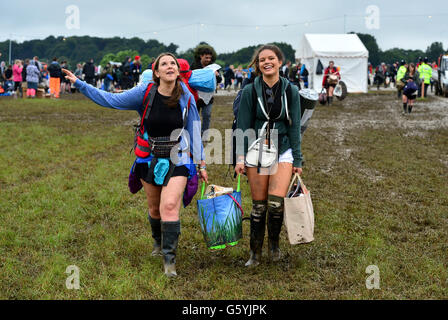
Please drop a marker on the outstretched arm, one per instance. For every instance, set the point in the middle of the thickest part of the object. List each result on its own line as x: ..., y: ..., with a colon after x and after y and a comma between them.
x: 127, y: 100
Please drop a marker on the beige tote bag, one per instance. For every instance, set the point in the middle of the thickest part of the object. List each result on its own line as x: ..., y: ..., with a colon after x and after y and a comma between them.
x: 299, y: 215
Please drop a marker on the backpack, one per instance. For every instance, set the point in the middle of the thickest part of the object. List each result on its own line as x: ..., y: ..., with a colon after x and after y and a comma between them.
x: 141, y: 145
x: 185, y: 74
x: 236, y: 106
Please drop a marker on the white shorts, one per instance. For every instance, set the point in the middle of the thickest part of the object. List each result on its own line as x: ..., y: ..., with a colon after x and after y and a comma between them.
x: 286, y: 156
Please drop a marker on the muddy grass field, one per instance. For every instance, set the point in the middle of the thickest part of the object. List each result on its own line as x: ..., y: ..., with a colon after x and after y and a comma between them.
x: 378, y: 181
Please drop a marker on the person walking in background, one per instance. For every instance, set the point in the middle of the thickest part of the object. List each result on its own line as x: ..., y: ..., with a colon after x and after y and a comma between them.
x: 9, y: 83
x: 136, y: 70
x: 17, y: 77
x: 330, y: 80
x: 203, y: 56
x: 117, y: 77
x: 65, y: 83
x: 229, y: 75
x: 89, y: 72
x: 78, y: 71
x: 2, y: 72
x: 284, y: 72
x: 45, y: 77
x: 126, y: 77
x: 294, y: 75
x: 433, y: 67
x: 37, y: 63
x: 32, y: 79
x: 400, y: 75
x: 269, y: 190
x: 55, y: 78
x: 412, y: 81
x: 238, y: 77
x: 304, y: 75
x: 425, y: 72
x: 108, y: 76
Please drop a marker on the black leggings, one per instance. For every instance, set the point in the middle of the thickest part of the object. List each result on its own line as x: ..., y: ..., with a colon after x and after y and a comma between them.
x: 18, y: 85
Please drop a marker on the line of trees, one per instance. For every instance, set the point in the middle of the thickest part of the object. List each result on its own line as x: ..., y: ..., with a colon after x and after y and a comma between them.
x: 81, y: 49
x: 376, y: 55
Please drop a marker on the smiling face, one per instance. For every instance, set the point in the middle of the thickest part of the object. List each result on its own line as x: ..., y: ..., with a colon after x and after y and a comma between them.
x: 268, y: 63
x: 166, y: 69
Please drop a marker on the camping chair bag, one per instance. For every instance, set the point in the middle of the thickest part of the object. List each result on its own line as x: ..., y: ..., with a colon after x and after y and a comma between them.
x: 203, y: 80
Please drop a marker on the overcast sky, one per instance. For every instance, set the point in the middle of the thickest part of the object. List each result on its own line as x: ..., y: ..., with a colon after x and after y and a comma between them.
x: 229, y: 25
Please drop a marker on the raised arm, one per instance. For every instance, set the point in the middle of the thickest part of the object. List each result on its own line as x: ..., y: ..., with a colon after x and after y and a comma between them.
x: 127, y: 100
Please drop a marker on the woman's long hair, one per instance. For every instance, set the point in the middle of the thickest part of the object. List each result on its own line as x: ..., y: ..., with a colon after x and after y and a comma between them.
x: 173, y: 100
x: 256, y: 58
x: 413, y: 69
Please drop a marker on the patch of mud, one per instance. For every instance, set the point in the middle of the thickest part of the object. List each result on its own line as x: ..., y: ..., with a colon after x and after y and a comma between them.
x: 356, y: 113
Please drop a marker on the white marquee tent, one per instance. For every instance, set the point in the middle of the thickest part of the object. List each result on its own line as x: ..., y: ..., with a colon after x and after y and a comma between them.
x: 346, y: 50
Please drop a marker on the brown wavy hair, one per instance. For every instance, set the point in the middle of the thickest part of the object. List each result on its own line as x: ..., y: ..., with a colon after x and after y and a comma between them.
x: 173, y: 100
x: 256, y: 58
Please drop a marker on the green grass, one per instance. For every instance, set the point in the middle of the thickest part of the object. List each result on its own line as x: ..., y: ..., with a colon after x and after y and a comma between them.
x: 380, y: 196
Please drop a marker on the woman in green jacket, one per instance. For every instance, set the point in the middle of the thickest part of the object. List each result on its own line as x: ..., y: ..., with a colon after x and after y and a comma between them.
x: 269, y: 102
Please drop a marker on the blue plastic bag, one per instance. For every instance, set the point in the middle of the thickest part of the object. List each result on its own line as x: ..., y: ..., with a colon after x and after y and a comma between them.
x: 221, y: 219
x: 203, y: 80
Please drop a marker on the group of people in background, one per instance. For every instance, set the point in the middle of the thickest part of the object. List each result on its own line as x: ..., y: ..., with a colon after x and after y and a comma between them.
x: 296, y: 73
x: 410, y: 79
x: 25, y: 77
x: 387, y: 74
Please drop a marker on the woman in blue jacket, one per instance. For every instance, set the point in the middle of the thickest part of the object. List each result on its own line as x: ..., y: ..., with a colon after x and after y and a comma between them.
x: 173, y: 109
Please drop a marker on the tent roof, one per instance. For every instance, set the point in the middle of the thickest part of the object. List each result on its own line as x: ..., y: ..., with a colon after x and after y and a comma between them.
x: 333, y: 45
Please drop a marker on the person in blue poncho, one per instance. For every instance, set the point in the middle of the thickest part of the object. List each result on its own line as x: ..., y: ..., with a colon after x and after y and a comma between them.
x: 164, y: 179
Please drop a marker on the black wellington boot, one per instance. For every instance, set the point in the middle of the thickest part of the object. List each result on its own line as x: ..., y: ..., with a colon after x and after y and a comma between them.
x: 330, y: 100
x: 257, y: 230
x: 156, y: 230
x: 275, y: 222
x: 170, y: 237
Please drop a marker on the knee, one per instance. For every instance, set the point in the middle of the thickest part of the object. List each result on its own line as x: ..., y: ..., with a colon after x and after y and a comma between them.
x: 259, y: 209
x: 169, y: 209
x: 275, y: 205
x: 154, y: 212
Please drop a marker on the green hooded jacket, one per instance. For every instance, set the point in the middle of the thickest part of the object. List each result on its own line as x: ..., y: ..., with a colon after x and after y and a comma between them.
x: 288, y: 131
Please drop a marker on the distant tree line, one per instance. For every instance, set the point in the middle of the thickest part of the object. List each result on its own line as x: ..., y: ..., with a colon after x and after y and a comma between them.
x: 80, y: 49
x: 376, y: 55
